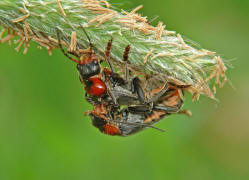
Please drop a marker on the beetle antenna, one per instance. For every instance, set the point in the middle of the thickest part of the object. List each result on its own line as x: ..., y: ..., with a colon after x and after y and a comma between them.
x: 89, y: 40
x: 62, y: 50
x: 107, y: 54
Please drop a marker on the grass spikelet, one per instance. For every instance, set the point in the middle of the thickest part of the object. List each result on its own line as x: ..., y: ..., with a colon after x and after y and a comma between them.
x: 155, y: 51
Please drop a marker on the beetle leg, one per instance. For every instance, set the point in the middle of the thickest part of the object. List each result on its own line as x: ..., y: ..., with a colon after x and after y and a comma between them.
x: 186, y: 112
x: 167, y: 109
x: 114, y: 100
x: 107, y: 79
x: 139, y: 109
x: 90, y: 99
x: 170, y: 109
x: 136, y: 88
x: 159, y: 95
x: 62, y: 50
x: 179, y: 86
x: 74, y: 53
x: 125, y: 58
x: 108, y: 84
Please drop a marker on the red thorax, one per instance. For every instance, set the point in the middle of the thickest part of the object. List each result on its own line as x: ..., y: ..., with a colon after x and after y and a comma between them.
x: 98, y: 87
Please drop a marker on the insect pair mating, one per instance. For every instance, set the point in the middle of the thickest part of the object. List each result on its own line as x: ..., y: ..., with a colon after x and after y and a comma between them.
x: 108, y: 91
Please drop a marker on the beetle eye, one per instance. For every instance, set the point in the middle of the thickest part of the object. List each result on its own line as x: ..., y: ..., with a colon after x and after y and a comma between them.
x: 95, y: 61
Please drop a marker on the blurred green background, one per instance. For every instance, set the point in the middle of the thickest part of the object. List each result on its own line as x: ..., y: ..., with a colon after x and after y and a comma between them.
x: 44, y: 134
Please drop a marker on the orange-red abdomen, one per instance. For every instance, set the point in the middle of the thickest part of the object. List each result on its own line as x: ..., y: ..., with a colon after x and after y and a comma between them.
x: 111, y: 130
